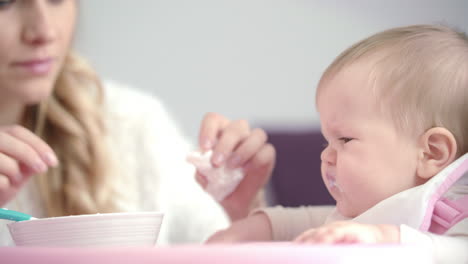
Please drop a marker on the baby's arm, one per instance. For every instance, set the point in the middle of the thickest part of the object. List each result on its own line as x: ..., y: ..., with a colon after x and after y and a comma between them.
x: 255, y: 227
x: 276, y: 223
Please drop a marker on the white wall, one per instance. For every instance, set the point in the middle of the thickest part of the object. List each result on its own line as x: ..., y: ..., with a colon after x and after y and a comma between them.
x: 253, y: 59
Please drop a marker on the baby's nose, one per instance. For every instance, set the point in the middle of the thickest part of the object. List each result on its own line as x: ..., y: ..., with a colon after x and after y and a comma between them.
x: 328, y: 155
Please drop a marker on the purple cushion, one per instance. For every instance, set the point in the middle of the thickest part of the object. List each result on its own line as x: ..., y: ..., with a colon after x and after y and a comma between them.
x: 296, y: 179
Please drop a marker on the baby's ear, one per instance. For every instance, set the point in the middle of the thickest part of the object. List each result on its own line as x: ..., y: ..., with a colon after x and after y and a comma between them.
x: 438, y: 148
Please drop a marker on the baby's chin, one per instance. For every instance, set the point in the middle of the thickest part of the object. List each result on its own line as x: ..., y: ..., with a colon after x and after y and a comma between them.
x: 347, y: 211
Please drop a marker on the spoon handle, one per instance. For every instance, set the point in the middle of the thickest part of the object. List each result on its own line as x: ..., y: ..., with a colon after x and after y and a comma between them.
x: 13, y: 215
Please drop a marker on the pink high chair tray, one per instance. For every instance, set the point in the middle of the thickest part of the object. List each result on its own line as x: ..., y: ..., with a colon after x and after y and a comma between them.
x: 271, y: 253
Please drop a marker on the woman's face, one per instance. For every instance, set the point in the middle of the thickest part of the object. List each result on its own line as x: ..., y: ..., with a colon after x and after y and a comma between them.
x: 35, y: 36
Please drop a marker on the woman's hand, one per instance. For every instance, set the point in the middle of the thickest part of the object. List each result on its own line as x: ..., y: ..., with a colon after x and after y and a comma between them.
x: 22, y: 154
x: 236, y: 145
x: 346, y: 232
x: 256, y: 227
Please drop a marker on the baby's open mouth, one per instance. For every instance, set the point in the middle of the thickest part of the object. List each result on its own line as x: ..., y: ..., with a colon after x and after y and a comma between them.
x: 332, y: 181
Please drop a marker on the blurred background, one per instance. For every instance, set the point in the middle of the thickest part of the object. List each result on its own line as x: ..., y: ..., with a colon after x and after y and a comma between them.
x: 253, y: 59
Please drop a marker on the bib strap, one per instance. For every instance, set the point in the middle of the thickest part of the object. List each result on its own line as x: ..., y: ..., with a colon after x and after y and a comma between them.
x: 448, y: 213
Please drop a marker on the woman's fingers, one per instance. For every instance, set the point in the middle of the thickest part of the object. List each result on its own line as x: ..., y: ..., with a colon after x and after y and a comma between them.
x: 229, y: 139
x: 211, y: 126
x: 10, y: 170
x: 236, y: 145
x: 22, y: 152
x: 248, y: 148
x: 258, y: 170
x: 261, y: 164
x: 44, y: 151
x: 201, y: 180
x: 4, y: 183
x: 232, y: 142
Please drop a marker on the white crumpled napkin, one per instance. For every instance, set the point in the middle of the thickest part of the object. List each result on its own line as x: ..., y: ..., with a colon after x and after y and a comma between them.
x: 221, y: 181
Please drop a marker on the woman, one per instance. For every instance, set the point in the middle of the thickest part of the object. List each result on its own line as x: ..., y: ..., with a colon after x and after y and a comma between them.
x: 69, y: 145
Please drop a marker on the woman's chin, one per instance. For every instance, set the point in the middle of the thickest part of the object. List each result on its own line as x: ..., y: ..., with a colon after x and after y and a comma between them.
x: 34, y: 93
x: 35, y: 99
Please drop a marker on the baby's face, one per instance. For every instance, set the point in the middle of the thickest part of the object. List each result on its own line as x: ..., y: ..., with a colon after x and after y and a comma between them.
x: 367, y: 160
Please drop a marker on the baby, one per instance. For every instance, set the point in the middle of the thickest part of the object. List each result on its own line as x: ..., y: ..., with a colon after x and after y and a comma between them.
x: 394, y: 111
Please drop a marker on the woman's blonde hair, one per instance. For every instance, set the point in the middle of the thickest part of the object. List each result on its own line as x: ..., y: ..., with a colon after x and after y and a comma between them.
x: 419, y: 76
x: 71, y: 122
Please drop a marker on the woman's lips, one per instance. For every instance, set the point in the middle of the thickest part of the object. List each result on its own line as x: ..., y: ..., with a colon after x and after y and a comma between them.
x: 36, y: 66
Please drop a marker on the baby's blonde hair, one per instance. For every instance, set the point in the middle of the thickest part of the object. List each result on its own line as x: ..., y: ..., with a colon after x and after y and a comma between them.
x: 70, y: 121
x: 419, y: 77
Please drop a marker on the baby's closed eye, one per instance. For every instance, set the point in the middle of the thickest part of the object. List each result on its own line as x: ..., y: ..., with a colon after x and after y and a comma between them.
x: 345, y: 139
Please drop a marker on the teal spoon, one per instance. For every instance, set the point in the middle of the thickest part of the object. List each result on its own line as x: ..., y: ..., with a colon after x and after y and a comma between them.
x: 13, y: 215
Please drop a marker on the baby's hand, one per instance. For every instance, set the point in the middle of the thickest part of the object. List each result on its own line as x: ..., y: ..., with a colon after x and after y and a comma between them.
x: 347, y: 232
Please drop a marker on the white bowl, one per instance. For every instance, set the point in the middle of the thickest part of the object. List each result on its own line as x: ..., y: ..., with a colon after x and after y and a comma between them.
x: 97, y: 230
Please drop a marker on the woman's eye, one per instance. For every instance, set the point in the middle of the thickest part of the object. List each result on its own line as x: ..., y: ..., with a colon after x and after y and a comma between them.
x: 345, y: 139
x: 5, y: 3
x: 56, y: 2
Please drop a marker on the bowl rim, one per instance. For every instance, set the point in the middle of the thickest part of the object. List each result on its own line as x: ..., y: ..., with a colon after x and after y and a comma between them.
x: 90, y: 216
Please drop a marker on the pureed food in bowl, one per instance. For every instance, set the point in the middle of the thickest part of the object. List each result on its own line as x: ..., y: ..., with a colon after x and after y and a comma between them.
x: 97, y: 230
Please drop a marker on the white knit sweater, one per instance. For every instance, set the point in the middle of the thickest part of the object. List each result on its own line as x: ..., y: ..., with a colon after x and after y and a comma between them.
x: 151, y: 172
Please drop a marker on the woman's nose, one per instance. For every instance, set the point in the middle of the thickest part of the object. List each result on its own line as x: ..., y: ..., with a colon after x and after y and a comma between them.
x: 38, y: 28
x: 328, y: 155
